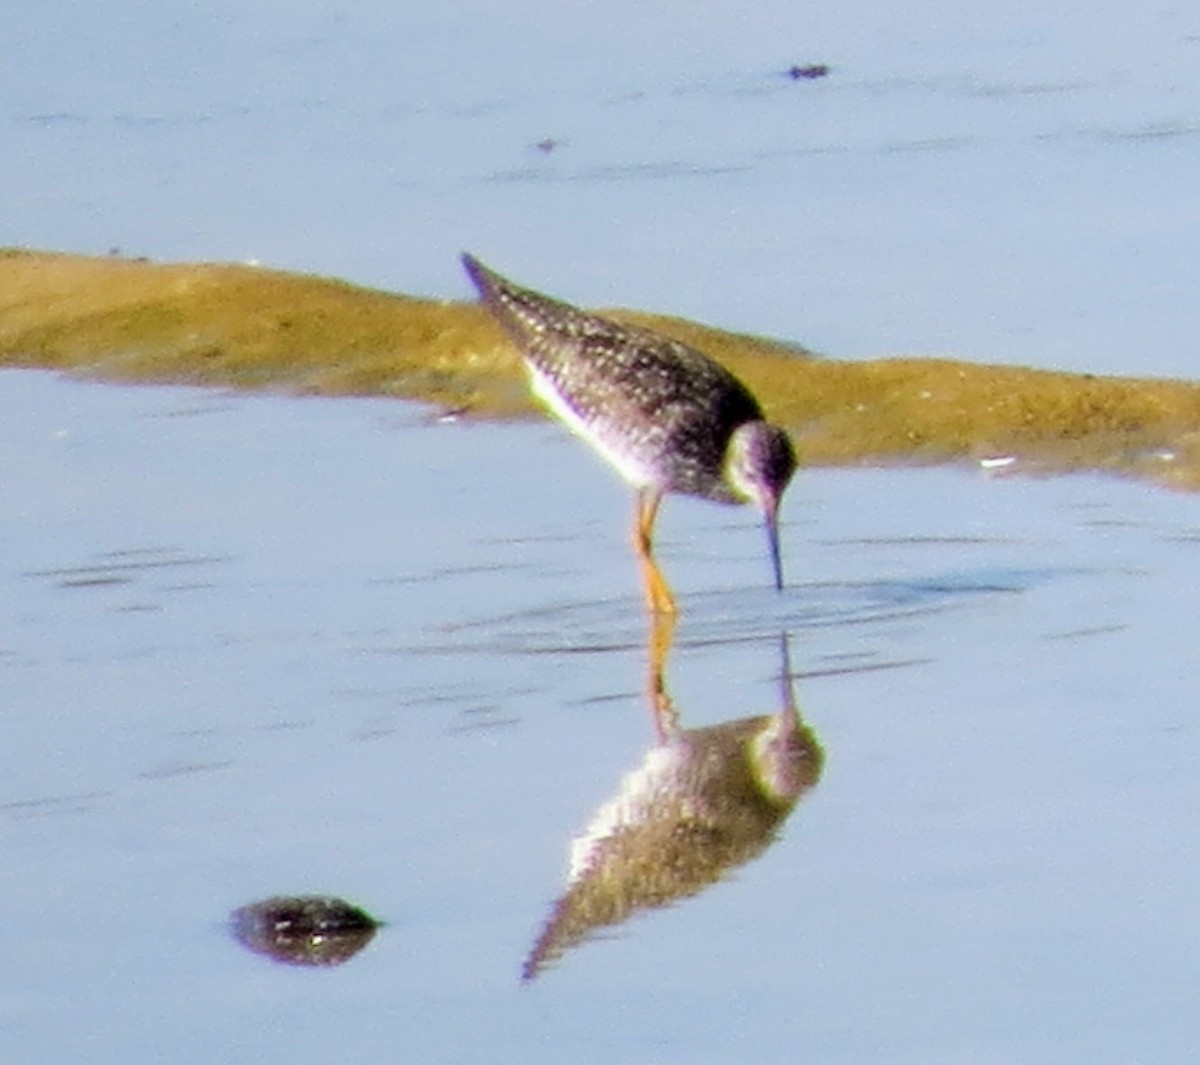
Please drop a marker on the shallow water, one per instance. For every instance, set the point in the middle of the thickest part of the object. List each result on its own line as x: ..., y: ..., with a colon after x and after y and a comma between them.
x: 1008, y: 182
x: 256, y: 646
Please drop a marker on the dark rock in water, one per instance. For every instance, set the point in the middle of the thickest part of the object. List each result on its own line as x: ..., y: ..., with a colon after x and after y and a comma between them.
x: 303, y: 929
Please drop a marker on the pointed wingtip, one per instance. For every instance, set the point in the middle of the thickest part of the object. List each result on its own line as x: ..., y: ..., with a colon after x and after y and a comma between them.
x: 493, y: 288
x: 476, y: 271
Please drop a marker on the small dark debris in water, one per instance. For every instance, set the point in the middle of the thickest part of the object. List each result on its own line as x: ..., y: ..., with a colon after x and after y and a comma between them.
x: 314, y: 930
x: 546, y: 145
x: 808, y: 72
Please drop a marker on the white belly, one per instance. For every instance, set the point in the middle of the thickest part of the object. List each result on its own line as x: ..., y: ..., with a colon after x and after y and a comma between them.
x: 636, y: 473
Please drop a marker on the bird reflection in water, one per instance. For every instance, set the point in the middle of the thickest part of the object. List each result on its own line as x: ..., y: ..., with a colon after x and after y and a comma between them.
x: 703, y: 802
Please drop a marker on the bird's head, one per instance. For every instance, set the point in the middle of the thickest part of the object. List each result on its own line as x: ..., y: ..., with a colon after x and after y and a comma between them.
x: 759, y: 464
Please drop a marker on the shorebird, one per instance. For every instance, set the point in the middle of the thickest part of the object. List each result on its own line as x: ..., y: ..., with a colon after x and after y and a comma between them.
x: 665, y: 416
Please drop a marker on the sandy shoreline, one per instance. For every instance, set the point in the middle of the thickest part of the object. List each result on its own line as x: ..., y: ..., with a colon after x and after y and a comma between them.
x: 248, y: 327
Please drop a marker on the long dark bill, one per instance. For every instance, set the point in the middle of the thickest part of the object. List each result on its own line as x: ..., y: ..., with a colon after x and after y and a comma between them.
x: 771, y: 521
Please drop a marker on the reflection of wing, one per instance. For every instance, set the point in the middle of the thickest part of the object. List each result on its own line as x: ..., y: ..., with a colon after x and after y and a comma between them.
x: 702, y: 803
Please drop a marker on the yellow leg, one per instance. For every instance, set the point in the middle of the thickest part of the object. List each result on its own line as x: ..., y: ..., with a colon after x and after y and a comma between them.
x: 658, y: 595
x: 662, y: 709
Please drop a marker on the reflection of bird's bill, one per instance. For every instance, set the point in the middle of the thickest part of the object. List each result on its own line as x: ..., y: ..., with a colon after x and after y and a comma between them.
x: 771, y: 521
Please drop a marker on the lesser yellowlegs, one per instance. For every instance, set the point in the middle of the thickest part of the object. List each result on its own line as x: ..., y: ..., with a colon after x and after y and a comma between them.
x: 668, y: 418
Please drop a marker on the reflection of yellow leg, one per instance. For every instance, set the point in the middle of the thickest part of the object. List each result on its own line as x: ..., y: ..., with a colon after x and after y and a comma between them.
x: 662, y: 709
x: 658, y: 594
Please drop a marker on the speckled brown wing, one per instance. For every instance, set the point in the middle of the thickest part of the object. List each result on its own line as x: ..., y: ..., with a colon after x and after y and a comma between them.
x: 660, y: 411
